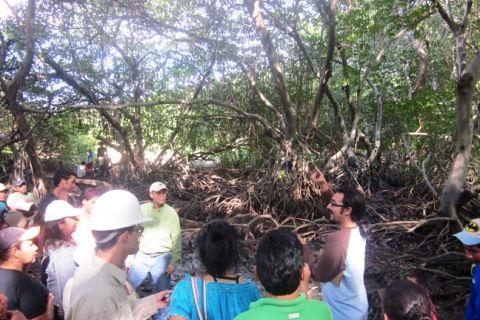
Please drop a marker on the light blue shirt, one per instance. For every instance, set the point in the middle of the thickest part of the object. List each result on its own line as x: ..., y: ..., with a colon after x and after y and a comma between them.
x: 60, y: 269
x: 225, y: 301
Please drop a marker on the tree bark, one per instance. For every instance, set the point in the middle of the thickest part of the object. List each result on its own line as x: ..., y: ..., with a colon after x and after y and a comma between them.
x: 467, y: 78
x: 456, y: 181
x: 378, y: 125
x: 329, y: 9
x: 421, y: 48
x: 11, y: 94
x: 289, y: 113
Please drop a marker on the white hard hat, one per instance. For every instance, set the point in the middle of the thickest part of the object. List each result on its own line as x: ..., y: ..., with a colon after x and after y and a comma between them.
x: 116, y: 209
x: 59, y: 209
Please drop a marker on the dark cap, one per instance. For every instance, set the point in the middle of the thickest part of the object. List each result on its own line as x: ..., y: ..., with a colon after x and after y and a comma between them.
x: 9, y: 236
x: 18, y: 182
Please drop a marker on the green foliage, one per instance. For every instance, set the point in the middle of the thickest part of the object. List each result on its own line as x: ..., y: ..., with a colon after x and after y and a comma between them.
x: 128, y: 52
x: 71, y: 136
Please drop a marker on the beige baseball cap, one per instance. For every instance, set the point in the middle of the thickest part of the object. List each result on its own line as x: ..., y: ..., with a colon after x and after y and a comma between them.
x: 158, y: 186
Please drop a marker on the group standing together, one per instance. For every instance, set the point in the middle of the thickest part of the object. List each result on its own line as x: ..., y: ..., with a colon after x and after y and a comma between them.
x: 95, y: 258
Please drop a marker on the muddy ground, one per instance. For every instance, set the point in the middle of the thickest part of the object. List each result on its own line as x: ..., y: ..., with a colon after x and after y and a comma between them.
x: 405, y: 232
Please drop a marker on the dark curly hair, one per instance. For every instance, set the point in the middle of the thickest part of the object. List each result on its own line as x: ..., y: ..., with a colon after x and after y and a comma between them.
x: 217, y: 245
x: 354, y: 199
x: 62, y: 174
x: 279, y: 261
x: 405, y: 300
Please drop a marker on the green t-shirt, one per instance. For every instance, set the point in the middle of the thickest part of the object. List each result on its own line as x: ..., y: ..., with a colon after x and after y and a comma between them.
x: 163, y: 233
x: 275, y: 309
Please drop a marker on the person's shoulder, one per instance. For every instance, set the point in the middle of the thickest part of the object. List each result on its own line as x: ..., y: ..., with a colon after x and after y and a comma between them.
x: 65, y: 251
x: 250, y: 314
x: 339, y: 234
x: 13, y: 195
x: 264, y: 309
x: 29, y: 279
x: 318, y: 306
x: 168, y: 208
x: 476, y: 271
x: 183, y: 290
x: 49, y: 197
x: 249, y: 284
x: 9, y: 273
x: 30, y: 284
x: 257, y: 311
x: 146, y: 207
x: 334, y: 238
x: 185, y: 283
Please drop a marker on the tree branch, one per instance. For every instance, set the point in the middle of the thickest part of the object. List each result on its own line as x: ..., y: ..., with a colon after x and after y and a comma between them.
x: 329, y: 8
x: 451, y: 24
x: 275, y: 133
x: 378, y: 124
x: 468, y: 9
x: 259, y: 93
x: 21, y: 74
x: 80, y: 88
x: 289, y: 113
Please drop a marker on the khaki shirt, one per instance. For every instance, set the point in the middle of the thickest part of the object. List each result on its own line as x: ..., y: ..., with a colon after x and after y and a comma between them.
x: 99, y: 290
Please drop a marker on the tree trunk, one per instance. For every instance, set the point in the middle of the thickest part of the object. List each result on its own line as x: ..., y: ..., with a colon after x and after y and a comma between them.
x: 289, y: 113
x: 378, y: 125
x: 456, y: 181
x: 86, y: 92
x: 11, y: 94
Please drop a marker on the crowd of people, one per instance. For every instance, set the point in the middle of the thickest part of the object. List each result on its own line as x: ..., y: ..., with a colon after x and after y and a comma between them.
x: 96, y: 254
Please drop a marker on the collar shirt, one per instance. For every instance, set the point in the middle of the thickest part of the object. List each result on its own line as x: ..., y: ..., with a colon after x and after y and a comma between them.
x: 99, y: 291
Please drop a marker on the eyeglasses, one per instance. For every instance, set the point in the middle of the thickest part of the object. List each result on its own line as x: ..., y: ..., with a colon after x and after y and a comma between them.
x: 333, y: 204
x: 139, y: 229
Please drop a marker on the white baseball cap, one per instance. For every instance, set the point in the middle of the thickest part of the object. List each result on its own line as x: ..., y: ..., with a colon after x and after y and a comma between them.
x: 158, y: 186
x: 59, y: 209
x: 3, y: 187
